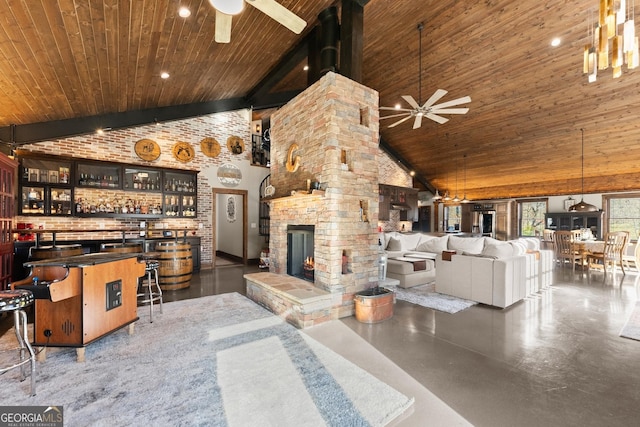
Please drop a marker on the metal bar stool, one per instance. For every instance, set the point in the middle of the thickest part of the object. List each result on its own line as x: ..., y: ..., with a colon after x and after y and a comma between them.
x: 153, y: 292
x: 15, y: 301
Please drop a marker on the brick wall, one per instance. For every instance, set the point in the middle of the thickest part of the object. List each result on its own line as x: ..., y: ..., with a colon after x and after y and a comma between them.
x: 118, y: 146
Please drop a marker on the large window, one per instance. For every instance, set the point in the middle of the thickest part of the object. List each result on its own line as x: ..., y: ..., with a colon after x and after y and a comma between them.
x: 624, y: 214
x: 531, y: 216
x: 452, y: 218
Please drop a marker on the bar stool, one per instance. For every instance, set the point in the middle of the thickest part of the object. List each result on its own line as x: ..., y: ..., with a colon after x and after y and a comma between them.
x: 15, y: 301
x: 153, y: 292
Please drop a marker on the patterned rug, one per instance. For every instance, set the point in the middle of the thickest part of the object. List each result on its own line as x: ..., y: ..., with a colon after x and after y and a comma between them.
x: 426, y: 296
x: 217, y: 361
x: 631, y: 329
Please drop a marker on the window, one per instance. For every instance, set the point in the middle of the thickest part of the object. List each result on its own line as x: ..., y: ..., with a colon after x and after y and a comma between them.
x: 452, y: 218
x: 624, y: 214
x: 531, y: 216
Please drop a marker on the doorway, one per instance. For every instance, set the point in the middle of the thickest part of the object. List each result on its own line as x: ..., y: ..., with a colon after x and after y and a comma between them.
x: 229, y: 225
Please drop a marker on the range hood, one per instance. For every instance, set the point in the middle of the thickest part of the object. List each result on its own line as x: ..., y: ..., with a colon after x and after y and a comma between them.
x: 396, y: 206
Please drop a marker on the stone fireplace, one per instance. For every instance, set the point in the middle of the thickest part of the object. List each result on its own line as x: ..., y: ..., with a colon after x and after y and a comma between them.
x: 327, y: 135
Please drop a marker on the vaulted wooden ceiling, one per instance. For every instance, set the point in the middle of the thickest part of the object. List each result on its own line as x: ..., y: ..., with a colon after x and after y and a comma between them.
x: 69, y: 59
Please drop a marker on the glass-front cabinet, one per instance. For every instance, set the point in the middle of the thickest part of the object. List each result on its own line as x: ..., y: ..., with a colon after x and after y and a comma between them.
x: 98, y: 175
x: 64, y: 186
x: 139, y: 179
x: 45, y: 187
x: 180, y: 197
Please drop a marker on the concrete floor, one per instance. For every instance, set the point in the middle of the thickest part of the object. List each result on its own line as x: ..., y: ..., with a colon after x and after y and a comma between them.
x: 551, y: 360
x: 554, y: 359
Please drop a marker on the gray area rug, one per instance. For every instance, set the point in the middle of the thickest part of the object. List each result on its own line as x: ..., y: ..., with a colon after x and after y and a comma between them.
x: 426, y: 296
x: 213, y: 361
x: 631, y: 329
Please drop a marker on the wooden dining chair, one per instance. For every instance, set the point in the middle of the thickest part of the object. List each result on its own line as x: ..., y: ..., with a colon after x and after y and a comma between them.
x: 566, y: 248
x: 632, y: 260
x: 548, y: 236
x: 615, y: 244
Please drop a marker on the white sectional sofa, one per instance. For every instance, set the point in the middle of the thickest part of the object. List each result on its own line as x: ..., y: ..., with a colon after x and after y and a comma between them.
x: 483, y: 269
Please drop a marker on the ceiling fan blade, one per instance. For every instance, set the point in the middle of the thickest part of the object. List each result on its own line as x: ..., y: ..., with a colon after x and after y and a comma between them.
x: 436, y: 118
x: 280, y: 14
x: 411, y: 101
x: 394, y: 115
x: 435, y: 97
x: 223, y: 27
x: 395, y: 109
x: 418, y: 122
x: 400, y: 121
x: 450, y: 110
x: 458, y: 101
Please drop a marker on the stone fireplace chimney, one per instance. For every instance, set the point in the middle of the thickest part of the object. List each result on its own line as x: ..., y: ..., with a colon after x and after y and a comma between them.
x: 328, y: 135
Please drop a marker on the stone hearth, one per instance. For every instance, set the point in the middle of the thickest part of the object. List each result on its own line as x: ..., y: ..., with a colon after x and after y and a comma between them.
x: 334, y: 126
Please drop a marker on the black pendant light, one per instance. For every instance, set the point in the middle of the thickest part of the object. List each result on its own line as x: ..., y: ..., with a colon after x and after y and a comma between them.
x: 582, y: 206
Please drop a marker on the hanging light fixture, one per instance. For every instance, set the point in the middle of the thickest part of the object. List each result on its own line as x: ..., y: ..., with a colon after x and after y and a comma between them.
x: 464, y: 188
x: 582, y: 206
x: 624, y: 47
x: 456, y: 199
x: 229, y: 7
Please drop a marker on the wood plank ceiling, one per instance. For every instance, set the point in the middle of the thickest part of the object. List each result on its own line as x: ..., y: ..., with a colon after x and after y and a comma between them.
x: 66, y: 59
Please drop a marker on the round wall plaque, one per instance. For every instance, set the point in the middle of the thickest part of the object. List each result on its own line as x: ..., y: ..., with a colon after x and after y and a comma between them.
x: 210, y: 147
x: 147, y: 149
x: 183, y: 151
x: 235, y: 144
x: 229, y: 175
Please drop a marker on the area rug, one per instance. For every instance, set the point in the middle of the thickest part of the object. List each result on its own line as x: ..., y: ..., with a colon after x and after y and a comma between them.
x: 426, y: 296
x: 631, y: 329
x: 217, y: 361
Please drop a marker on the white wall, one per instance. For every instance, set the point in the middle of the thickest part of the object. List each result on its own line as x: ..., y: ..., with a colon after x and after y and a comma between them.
x: 229, y: 231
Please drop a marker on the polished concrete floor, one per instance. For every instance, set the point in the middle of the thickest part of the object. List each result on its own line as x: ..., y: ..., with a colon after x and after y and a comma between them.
x: 551, y: 360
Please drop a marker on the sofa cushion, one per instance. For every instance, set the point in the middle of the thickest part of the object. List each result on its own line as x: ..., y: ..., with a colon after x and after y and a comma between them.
x: 519, y: 248
x: 434, y: 244
x: 470, y: 245
x: 394, y: 244
x: 409, y: 241
x: 532, y: 243
x: 498, y: 250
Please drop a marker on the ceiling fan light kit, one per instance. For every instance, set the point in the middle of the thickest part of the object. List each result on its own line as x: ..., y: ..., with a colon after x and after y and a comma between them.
x: 226, y: 8
x: 429, y: 109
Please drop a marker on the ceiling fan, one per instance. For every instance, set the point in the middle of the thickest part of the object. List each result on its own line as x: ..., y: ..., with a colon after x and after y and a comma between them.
x: 225, y: 9
x: 429, y: 109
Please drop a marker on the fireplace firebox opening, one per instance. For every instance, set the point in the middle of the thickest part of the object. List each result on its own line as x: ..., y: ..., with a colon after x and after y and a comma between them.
x: 300, y: 261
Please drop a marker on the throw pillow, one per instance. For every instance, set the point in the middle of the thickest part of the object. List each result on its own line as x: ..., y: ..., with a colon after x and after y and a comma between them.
x: 472, y: 245
x: 519, y: 248
x: 498, y: 251
x: 394, y: 244
x: 434, y: 245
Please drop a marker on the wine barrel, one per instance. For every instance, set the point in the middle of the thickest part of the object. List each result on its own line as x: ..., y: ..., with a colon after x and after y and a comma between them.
x: 176, y: 265
x: 59, y: 251
x: 121, y: 247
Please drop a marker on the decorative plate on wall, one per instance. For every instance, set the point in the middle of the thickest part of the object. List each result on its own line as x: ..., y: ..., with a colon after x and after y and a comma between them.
x: 235, y: 144
x: 147, y: 149
x: 183, y: 151
x: 210, y: 147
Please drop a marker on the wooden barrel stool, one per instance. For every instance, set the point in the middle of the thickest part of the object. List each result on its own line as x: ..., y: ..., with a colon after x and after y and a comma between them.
x: 58, y: 251
x: 121, y: 247
x: 176, y: 265
x: 14, y: 301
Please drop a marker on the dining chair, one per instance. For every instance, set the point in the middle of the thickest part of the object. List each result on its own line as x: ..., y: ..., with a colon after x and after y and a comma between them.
x: 548, y: 236
x: 632, y: 260
x: 615, y: 244
x: 566, y: 248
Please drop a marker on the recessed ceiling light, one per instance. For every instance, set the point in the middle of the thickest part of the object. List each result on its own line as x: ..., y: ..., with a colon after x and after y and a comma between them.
x: 164, y: 75
x: 305, y: 68
x: 398, y: 106
x: 184, y: 12
x: 555, y: 42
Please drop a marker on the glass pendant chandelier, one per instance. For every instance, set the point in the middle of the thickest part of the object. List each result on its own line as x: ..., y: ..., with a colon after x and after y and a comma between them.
x: 624, y: 46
